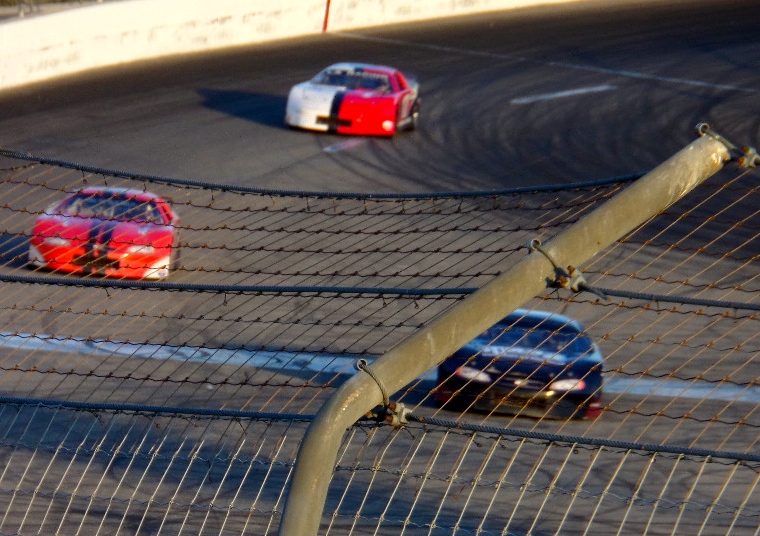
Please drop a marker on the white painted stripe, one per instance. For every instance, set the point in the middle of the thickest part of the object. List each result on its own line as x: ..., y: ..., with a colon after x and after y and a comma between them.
x: 562, y: 94
x: 289, y: 362
x: 673, y: 388
x: 271, y: 360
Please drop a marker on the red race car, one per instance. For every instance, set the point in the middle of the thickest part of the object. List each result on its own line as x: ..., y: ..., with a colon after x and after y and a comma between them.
x: 355, y: 98
x: 113, y: 232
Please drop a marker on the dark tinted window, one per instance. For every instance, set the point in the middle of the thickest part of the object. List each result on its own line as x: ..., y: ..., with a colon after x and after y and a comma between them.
x: 545, y: 336
x: 354, y: 80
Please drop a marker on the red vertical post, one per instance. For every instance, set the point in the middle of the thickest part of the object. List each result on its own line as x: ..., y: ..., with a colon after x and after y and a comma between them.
x: 327, y: 16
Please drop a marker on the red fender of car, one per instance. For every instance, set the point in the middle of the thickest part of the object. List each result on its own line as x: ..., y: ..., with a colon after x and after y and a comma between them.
x: 370, y: 113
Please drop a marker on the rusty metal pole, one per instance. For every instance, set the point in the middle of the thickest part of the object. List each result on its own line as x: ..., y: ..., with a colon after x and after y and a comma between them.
x: 642, y: 200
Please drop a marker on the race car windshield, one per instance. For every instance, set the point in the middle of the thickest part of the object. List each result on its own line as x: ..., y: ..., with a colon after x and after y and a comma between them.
x: 562, y: 340
x: 354, y: 80
x: 107, y: 207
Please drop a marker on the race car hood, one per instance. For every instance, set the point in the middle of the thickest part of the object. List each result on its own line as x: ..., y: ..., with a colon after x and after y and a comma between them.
x: 314, y: 96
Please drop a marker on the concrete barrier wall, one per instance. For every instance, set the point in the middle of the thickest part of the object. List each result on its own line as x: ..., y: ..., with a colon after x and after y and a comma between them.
x: 37, y: 48
x: 348, y: 14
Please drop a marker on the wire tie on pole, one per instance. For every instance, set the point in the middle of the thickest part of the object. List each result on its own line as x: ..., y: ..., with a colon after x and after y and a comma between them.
x: 703, y: 129
x: 391, y: 412
x: 535, y: 245
x: 746, y: 157
x: 363, y: 365
x: 570, y: 279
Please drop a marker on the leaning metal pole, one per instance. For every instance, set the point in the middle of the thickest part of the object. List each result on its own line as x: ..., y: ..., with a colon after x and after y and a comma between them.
x: 424, y: 349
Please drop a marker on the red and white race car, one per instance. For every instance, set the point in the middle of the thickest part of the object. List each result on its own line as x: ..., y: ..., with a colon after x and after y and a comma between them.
x: 113, y: 232
x: 355, y: 98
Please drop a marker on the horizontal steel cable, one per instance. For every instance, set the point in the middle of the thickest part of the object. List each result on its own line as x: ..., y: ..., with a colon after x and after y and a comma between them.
x: 443, y: 423
x: 378, y: 291
x: 681, y: 300
x: 589, y: 441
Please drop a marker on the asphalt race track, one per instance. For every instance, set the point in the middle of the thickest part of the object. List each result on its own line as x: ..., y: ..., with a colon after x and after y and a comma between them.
x: 536, y: 96
x: 540, y: 96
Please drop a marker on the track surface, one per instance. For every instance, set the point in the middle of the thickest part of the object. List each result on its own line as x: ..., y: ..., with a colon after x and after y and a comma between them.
x: 545, y: 95
x: 511, y: 98
x: 542, y: 95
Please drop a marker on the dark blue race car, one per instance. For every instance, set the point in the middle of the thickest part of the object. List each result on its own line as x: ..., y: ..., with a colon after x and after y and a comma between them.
x: 532, y: 363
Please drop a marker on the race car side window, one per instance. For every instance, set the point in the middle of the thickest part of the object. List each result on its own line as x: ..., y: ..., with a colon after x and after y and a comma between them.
x: 152, y: 214
x: 402, y: 83
x: 167, y: 217
x: 332, y: 78
x: 141, y: 211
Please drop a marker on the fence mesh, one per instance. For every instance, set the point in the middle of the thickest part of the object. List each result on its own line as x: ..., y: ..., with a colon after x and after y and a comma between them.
x: 177, y: 407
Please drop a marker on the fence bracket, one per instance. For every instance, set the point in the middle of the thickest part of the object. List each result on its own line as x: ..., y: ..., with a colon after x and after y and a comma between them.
x: 570, y: 279
x: 745, y: 158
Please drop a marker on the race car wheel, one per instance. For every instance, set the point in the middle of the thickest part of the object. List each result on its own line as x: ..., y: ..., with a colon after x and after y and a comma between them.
x: 176, y: 257
x: 415, y: 115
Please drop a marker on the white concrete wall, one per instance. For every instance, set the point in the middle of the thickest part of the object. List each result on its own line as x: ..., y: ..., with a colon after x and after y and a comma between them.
x: 37, y: 48
x: 347, y: 14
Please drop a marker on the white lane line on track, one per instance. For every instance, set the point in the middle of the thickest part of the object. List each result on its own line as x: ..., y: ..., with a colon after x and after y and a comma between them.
x: 700, y: 390
x: 283, y: 361
x: 560, y: 64
x: 343, y: 145
x: 562, y: 94
x: 271, y: 360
